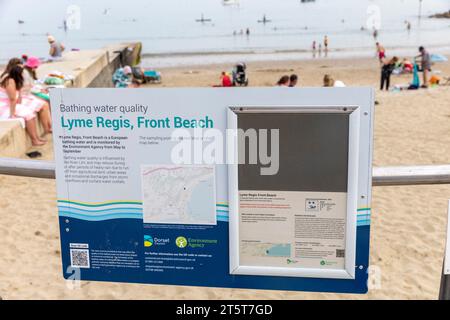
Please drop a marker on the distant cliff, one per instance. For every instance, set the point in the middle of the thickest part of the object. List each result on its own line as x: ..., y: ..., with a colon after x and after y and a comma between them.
x: 441, y: 15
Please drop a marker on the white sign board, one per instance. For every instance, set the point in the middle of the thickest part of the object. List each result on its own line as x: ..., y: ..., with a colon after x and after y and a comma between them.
x: 150, y: 190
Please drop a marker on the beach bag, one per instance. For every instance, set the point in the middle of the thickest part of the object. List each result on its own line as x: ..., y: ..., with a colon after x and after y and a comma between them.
x: 416, y: 80
x: 53, y: 81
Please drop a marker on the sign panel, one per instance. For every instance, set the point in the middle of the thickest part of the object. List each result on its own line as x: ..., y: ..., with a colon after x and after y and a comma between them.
x: 299, y: 220
x: 151, y: 187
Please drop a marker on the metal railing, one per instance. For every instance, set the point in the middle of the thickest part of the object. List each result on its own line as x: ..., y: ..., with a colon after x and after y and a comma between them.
x: 382, y: 176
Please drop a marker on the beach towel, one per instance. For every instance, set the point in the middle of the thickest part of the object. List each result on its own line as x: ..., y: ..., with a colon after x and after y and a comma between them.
x: 415, y: 84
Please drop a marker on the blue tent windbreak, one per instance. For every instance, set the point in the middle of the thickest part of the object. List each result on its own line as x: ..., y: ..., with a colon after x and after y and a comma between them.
x: 438, y: 58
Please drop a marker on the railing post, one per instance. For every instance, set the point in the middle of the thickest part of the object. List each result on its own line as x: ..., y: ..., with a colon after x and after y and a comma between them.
x: 444, y: 291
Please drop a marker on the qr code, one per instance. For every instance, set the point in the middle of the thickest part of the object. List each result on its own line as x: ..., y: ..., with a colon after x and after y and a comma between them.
x: 340, y: 253
x: 79, y: 258
x: 312, y: 205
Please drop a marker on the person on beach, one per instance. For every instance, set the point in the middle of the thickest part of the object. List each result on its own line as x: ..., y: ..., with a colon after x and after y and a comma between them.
x: 386, y: 72
x: 328, y: 81
x: 293, y: 79
x: 12, y: 105
x: 283, y: 82
x: 122, y: 77
x: 381, y: 52
x: 226, y: 80
x: 325, y: 43
x: 29, y: 76
x: 56, y: 48
x: 408, y: 25
x: 425, y: 63
x: 29, y: 100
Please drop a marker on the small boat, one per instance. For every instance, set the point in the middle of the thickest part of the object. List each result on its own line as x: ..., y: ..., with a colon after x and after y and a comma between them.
x: 230, y: 2
x: 264, y: 20
x: 20, y: 21
x: 203, y: 19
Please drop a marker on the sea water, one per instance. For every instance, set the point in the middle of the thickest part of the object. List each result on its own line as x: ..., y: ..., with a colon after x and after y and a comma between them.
x: 171, y: 35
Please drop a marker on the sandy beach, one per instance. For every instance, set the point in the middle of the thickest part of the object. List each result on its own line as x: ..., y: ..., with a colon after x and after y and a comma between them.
x: 407, y: 228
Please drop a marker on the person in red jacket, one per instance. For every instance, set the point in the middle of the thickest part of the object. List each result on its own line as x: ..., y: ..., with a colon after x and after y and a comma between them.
x: 226, y: 80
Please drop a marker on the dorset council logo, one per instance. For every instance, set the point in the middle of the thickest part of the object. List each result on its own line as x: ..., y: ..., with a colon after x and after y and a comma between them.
x: 148, y: 241
x: 181, y: 242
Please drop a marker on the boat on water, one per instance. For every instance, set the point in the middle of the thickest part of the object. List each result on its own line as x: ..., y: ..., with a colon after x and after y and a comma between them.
x: 203, y: 19
x: 264, y: 20
x: 230, y: 2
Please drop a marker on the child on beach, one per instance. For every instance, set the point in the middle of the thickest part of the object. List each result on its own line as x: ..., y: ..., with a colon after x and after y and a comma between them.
x: 381, y: 52
x: 12, y: 105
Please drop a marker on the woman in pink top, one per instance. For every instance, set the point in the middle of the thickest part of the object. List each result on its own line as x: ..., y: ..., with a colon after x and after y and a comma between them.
x: 11, y: 105
x: 41, y: 106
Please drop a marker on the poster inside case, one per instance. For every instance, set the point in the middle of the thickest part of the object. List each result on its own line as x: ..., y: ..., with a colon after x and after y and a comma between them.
x: 297, y: 220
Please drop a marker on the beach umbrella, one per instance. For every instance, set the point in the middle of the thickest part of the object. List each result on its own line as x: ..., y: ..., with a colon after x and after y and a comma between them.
x: 438, y: 58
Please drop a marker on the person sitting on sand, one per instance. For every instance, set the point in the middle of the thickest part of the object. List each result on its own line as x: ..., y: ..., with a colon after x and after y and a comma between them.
x: 56, y: 48
x: 123, y: 77
x: 293, y: 79
x: 407, y: 66
x: 12, y: 105
x: 226, y: 80
x: 283, y: 82
x: 386, y: 72
x: 328, y: 81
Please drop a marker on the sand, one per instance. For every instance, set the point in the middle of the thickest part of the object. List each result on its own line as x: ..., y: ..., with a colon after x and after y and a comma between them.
x: 408, y: 223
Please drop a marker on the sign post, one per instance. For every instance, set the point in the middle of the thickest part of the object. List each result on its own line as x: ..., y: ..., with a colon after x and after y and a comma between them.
x: 262, y: 188
x: 444, y: 292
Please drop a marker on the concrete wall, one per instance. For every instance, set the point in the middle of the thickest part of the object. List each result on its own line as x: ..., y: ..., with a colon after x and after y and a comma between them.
x: 104, y: 77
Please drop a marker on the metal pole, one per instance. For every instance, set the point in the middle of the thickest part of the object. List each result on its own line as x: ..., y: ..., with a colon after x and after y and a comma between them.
x: 382, y: 176
x: 444, y: 291
x: 27, y: 168
x: 411, y: 175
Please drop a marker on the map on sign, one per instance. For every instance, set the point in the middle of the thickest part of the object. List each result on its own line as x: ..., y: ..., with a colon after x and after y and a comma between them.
x: 179, y: 194
x: 266, y: 249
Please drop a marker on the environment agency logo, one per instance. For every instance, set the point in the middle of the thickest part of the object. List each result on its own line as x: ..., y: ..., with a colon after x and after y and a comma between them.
x: 148, y: 241
x: 181, y: 242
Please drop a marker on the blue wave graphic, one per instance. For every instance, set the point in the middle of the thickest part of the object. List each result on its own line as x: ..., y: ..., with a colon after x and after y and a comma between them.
x: 73, y: 209
x: 101, y: 217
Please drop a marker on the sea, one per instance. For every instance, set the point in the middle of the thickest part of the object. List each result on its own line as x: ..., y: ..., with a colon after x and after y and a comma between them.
x: 190, y: 32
